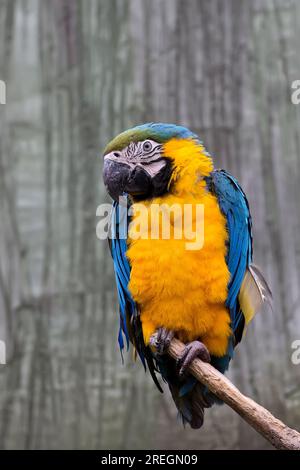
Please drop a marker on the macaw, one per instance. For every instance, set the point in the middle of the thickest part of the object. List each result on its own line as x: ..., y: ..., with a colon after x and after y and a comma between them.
x: 204, y: 296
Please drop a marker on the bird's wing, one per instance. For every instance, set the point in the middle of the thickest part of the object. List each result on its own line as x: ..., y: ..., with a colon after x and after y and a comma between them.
x: 118, y: 247
x: 130, y: 324
x: 247, y: 288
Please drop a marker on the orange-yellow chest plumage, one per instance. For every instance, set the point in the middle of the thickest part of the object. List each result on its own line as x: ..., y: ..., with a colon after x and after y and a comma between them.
x: 177, y: 287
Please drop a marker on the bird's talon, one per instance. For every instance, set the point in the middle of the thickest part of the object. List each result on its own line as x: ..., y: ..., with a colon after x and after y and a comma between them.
x: 163, y: 340
x: 190, y: 352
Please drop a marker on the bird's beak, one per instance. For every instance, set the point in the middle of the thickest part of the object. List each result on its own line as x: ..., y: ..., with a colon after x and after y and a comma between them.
x: 120, y: 177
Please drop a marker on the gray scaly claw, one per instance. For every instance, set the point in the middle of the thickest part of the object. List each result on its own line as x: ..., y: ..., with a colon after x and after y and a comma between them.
x: 163, y: 340
x: 191, y: 351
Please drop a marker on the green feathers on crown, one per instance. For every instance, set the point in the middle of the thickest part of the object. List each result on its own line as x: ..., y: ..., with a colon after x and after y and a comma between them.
x: 159, y: 132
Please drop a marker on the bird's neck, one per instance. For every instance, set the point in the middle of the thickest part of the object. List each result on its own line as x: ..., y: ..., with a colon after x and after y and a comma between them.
x: 191, y: 165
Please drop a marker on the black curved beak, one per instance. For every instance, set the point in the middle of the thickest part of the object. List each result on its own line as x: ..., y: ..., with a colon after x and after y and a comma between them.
x: 119, y: 178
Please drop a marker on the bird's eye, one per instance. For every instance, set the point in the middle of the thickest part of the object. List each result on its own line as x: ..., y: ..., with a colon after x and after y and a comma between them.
x: 147, y: 146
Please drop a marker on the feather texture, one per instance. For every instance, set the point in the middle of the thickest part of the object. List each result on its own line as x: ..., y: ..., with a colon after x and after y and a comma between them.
x: 254, y: 291
x: 234, y: 206
x: 130, y: 324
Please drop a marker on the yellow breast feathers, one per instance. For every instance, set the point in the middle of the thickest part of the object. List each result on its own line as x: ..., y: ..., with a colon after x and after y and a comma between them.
x: 179, y: 275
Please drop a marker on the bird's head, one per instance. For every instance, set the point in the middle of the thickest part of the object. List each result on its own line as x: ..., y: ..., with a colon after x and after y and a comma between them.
x: 150, y: 160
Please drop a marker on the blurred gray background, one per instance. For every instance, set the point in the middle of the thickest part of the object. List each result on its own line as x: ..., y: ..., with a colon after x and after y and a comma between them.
x: 77, y: 73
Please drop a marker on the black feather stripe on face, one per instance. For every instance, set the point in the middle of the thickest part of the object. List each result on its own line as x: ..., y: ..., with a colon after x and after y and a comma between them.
x: 138, y: 152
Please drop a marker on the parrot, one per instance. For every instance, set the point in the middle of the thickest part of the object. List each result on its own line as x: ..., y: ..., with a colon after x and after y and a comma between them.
x: 205, y: 296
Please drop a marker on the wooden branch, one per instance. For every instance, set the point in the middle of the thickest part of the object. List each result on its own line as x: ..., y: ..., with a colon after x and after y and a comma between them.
x: 271, y: 428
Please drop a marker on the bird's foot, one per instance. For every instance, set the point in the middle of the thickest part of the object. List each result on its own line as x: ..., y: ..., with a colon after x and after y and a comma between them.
x: 163, y: 340
x: 190, y: 352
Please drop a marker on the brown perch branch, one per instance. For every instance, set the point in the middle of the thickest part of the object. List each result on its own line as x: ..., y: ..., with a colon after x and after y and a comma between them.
x: 271, y: 428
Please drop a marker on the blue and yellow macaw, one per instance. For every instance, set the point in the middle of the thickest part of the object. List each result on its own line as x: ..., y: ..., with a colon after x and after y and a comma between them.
x: 205, y: 297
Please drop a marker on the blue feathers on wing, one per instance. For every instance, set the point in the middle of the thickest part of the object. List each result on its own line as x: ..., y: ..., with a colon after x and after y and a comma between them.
x: 118, y: 248
x: 234, y: 205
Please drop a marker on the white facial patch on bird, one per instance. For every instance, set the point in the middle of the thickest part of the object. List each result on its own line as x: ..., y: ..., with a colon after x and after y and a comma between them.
x: 146, y: 154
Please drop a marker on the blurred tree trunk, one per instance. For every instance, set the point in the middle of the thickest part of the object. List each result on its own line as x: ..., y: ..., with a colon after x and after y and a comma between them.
x: 77, y: 73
